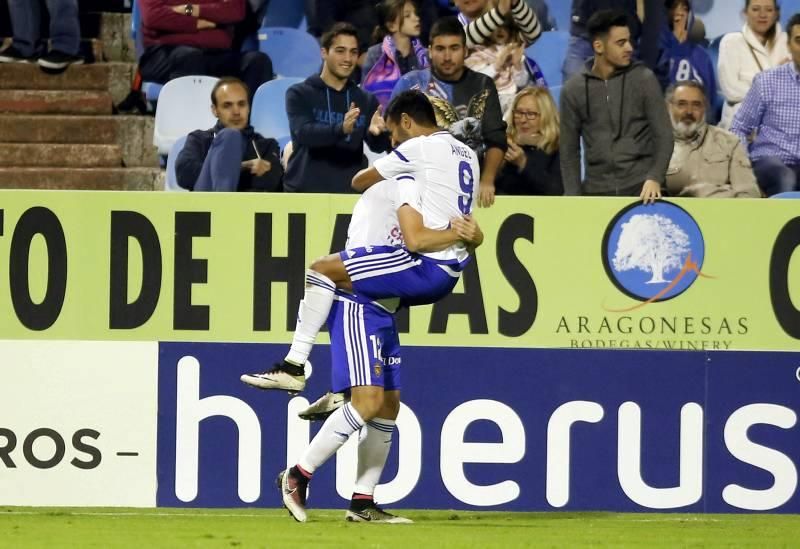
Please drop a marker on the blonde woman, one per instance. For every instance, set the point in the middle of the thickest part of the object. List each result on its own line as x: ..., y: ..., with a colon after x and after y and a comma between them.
x: 532, y: 162
x: 761, y: 45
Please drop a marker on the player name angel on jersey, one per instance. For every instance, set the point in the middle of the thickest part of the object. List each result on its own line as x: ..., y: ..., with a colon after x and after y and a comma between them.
x: 446, y: 173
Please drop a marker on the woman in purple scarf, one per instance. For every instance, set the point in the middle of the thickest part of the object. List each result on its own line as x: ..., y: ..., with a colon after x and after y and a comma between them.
x: 399, y: 52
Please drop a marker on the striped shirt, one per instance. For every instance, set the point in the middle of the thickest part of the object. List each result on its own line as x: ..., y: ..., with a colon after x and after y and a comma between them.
x: 772, y: 109
x: 479, y: 30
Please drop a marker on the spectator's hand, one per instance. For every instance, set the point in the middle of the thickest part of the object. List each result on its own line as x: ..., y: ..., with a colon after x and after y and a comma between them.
x: 205, y: 24
x: 485, y: 194
x: 515, y: 155
x: 181, y: 9
x: 466, y: 228
x: 517, y: 53
x: 651, y: 191
x: 257, y: 166
x: 377, y: 125
x: 504, y: 57
x: 504, y: 6
x: 349, y: 123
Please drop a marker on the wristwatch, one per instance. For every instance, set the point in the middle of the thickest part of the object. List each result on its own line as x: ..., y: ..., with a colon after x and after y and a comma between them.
x: 188, y: 10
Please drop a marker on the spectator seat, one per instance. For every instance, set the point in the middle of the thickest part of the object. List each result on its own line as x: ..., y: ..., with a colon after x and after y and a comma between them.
x: 184, y: 105
x: 268, y: 113
x: 293, y: 52
x: 171, y: 183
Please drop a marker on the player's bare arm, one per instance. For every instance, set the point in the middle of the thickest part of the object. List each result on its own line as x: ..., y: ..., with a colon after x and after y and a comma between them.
x: 420, y: 239
x: 365, y: 179
x: 492, y: 162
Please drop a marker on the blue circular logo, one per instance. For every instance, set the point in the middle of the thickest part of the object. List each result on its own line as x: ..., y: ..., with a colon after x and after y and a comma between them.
x: 653, y: 253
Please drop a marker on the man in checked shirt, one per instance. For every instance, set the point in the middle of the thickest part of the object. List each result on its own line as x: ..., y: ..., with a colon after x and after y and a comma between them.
x: 770, y: 115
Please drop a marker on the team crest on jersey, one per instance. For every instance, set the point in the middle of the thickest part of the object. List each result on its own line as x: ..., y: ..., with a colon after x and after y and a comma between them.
x: 377, y: 369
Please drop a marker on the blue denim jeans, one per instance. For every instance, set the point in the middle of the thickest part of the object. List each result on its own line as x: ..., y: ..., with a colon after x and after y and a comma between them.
x: 65, y: 32
x: 774, y: 176
x: 578, y: 51
x: 223, y: 164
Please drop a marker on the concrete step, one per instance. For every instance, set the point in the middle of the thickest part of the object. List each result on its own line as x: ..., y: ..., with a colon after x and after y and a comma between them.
x: 111, y: 77
x: 59, y: 155
x: 55, y: 102
x: 134, y: 134
x: 21, y: 128
x: 89, y: 179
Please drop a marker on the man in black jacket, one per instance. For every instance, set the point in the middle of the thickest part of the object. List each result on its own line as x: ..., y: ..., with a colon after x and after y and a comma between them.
x: 231, y: 156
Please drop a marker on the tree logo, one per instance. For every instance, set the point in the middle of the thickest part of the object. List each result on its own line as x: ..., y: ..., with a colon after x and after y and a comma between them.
x: 653, y: 253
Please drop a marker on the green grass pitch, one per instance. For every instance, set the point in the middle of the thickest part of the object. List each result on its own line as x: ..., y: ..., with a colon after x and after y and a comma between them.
x: 22, y: 527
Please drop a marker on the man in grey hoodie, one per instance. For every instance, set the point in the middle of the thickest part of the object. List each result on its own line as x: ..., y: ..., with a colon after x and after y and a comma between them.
x: 616, y: 106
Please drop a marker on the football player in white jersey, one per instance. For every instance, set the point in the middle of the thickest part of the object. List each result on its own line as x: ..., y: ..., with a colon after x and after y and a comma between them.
x: 366, y: 360
x: 446, y: 174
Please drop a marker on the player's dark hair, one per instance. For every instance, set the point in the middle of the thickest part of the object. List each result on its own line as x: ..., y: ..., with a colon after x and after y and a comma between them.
x: 448, y: 26
x: 338, y: 29
x: 414, y: 104
x: 601, y: 23
x: 226, y: 81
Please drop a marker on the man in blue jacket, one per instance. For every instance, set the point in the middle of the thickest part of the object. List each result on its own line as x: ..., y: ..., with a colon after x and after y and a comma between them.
x: 330, y: 118
x: 231, y: 156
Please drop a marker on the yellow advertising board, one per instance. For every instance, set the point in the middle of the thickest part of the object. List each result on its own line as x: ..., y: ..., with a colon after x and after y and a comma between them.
x: 553, y: 272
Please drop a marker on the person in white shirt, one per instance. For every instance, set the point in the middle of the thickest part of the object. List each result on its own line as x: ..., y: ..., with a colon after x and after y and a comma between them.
x: 761, y: 45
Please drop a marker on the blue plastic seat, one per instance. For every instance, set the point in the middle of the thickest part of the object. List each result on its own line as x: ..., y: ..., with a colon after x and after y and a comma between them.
x: 788, y: 194
x: 293, y: 52
x: 268, y: 114
x: 171, y: 183
x: 549, y: 52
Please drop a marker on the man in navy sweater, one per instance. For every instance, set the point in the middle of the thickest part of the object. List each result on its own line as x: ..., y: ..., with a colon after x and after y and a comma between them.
x: 330, y: 118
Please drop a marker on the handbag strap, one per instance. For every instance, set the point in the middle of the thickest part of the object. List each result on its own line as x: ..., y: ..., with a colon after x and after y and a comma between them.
x: 755, y: 57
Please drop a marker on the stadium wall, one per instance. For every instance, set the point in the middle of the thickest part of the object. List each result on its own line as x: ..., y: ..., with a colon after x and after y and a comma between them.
x: 598, y: 355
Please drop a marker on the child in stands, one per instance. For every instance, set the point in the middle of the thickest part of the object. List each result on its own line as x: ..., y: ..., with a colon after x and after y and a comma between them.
x: 398, y: 52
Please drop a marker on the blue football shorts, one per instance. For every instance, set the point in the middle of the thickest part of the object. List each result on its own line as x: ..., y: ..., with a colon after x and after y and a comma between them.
x: 379, y: 272
x: 365, y: 348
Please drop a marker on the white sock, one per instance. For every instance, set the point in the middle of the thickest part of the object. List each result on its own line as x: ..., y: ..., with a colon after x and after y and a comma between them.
x: 334, y: 433
x: 311, y: 315
x: 374, y: 444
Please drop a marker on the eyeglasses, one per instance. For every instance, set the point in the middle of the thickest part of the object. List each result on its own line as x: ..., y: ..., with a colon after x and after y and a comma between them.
x: 530, y: 115
x: 689, y: 105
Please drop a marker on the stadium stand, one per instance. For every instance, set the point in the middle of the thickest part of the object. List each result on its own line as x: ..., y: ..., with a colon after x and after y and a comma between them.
x: 277, y: 42
x: 58, y: 131
x: 183, y: 105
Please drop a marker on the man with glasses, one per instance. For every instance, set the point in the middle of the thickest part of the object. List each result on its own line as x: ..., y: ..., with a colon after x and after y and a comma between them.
x: 707, y: 161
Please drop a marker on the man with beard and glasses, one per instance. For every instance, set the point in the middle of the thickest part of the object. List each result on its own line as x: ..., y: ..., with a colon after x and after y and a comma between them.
x: 707, y: 161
